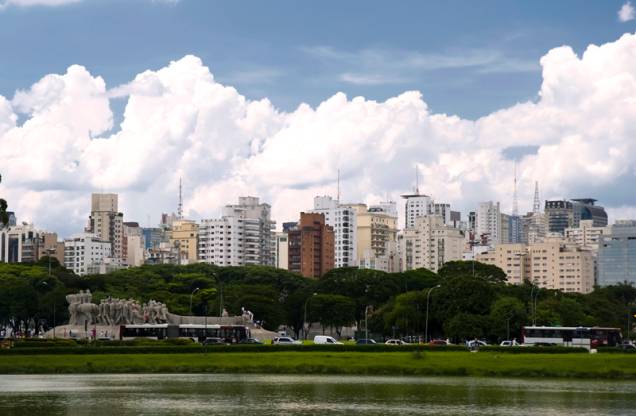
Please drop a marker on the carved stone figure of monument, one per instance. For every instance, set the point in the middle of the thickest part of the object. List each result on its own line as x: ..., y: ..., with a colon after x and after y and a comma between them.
x: 113, y: 311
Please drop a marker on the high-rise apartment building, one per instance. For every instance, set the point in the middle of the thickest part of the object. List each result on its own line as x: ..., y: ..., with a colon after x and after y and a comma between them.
x: 376, y: 236
x: 311, y: 246
x: 534, y: 228
x: 617, y: 254
x: 552, y: 264
x: 83, y: 252
x: 242, y: 236
x: 133, y: 247
x: 488, y: 219
x: 106, y: 222
x: 343, y: 220
x: 417, y: 205
x: 430, y: 244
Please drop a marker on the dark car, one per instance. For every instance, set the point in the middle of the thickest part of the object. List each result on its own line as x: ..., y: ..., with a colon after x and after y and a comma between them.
x: 214, y: 341
x: 251, y: 341
x: 365, y: 341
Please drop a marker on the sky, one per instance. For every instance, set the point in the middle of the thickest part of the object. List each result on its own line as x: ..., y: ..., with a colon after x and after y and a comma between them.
x: 273, y: 98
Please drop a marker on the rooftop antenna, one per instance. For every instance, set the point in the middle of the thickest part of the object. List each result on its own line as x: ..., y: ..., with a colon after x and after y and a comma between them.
x: 338, y: 197
x: 417, y: 181
x: 515, y: 204
x: 536, y: 207
x: 180, y: 207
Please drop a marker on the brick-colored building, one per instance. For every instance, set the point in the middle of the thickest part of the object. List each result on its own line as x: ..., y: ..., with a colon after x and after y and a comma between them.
x: 311, y: 246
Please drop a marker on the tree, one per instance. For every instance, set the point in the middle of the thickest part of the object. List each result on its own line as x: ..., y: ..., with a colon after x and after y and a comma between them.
x: 407, y: 313
x: 484, y: 271
x: 464, y: 326
x: 507, y: 316
x: 333, y: 311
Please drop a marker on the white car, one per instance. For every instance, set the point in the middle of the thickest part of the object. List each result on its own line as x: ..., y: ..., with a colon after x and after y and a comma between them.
x: 286, y: 341
x: 323, y: 339
x: 512, y: 343
x: 395, y: 342
x: 476, y: 344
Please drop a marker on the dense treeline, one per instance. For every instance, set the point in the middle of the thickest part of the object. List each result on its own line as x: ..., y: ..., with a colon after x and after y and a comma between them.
x: 465, y: 300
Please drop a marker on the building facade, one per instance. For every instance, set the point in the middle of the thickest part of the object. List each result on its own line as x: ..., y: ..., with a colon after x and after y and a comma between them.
x: 281, y: 244
x: 83, y: 252
x: 21, y: 244
x: 617, y: 254
x: 430, y: 244
x: 343, y: 220
x: 184, y: 236
x: 242, y: 236
x: 416, y: 205
x: 376, y: 233
x: 552, y: 264
x: 107, y: 223
x: 488, y: 223
x: 311, y: 246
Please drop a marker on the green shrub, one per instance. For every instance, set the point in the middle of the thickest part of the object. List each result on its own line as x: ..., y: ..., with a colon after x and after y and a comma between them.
x: 534, y: 350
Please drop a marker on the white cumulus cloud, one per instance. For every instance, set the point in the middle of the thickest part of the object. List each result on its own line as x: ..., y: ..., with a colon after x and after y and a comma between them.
x: 58, y: 143
x: 626, y: 12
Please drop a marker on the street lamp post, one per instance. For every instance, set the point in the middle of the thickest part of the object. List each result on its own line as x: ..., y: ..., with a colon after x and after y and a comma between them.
x: 305, y: 315
x: 191, y: 294
x: 428, y: 295
x: 366, y: 322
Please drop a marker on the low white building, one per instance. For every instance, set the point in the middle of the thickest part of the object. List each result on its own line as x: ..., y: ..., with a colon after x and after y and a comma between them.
x: 85, y: 251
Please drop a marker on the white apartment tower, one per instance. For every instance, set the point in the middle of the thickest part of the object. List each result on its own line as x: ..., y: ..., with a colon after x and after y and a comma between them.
x: 242, y: 236
x: 416, y: 206
x: 430, y: 244
x: 343, y: 219
x: 489, y: 222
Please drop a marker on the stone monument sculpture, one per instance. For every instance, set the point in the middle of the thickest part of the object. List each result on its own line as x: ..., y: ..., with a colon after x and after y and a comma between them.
x: 113, y: 311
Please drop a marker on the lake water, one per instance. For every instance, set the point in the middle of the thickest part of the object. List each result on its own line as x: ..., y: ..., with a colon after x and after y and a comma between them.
x: 190, y: 394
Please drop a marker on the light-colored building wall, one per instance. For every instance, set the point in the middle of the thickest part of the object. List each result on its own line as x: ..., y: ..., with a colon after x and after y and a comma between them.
x: 376, y: 231
x: 282, y: 250
x: 106, y: 223
x: 586, y: 234
x: 489, y: 222
x: 83, y: 251
x: 242, y: 236
x: 417, y: 205
x: 430, y: 244
x: 20, y: 243
x: 343, y: 219
x: 552, y: 264
x: 184, y: 236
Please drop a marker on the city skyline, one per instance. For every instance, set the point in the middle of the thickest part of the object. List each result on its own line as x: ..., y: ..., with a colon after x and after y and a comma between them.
x: 67, y: 136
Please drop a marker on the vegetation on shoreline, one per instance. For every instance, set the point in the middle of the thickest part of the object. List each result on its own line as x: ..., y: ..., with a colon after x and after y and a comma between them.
x: 467, y: 304
x: 491, y: 364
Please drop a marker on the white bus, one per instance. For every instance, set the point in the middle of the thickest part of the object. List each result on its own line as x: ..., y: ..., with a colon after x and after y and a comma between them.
x: 571, y: 336
x: 229, y: 333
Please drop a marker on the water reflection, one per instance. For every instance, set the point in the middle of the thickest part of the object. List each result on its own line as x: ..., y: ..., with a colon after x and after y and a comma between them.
x: 317, y: 395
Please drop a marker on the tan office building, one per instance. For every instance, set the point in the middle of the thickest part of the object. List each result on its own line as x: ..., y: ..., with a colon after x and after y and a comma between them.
x: 553, y: 264
x: 184, y: 236
x: 430, y: 244
x: 106, y: 223
x: 376, y: 235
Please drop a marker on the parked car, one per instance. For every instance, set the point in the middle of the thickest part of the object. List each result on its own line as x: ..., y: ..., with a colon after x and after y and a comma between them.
x: 286, y: 341
x: 627, y: 345
x: 324, y: 339
x: 439, y: 342
x: 475, y: 343
x: 213, y: 341
x: 365, y: 341
x: 509, y: 343
x: 251, y: 341
x: 395, y: 342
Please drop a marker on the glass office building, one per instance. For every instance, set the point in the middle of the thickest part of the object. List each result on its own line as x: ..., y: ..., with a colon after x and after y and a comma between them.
x: 617, y: 255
